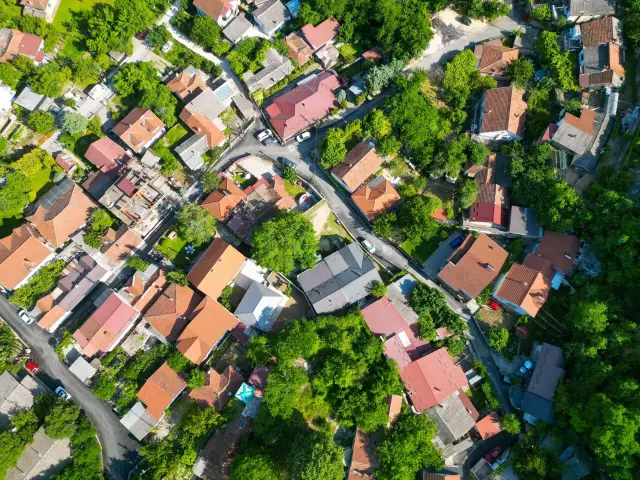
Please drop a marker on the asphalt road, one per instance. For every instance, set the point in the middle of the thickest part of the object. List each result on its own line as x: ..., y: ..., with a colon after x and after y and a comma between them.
x: 119, y: 451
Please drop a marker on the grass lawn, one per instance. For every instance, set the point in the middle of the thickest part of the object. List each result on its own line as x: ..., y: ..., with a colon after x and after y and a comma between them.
x: 175, y: 251
x: 238, y: 176
x: 333, y: 236
x: 293, y: 190
x: 423, y: 250
x: 40, y: 181
x: 65, y: 13
x: 175, y: 135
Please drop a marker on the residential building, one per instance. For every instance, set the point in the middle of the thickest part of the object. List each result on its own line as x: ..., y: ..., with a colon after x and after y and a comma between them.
x: 31, y: 100
x: 216, y: 268
x: 221, y: 202
x: 364, y: 460
x: 473, y: 266
x: 139, y: 129
x: 523, y: 290
x: 592, y: 34
x: 139, y: 421
x: 383, y: 319
x: 160, y: 390
x: 299, y: 50
x: 489, y: 425
x: 61, y: 212
x: 191, y: 150
x: 447, y: 473
x: 260, y: 306
x: 491, y: 208
x: 270, y: 16
x: 222, y: 11
x: 576, y: 463
x: 107, y: 155
x: 45, y: 9
x: 580, y: 11
x: 299, y: 108
x: 82, y: 369
x: 601, y: 66
x: 14, y: 42
x: 143, y: 288
x: 66, y: 161
x: 537, y: 402
x: 171, y: 311
x: 493, y: 57
x: 187, y: 84
x: 573, y: 135
x: 7, y: 96
x: 238, y: 29
x: 276, y: 68
x: 16, y: 396
x: 554, y: 256
x: 42, y: 457
x: 356, y: 168
x: 322, y: 34
x: 210, y: 323
x: 21, y: 255
x: 375, y: 198
x: 500, y: 115
x: 107, y: 326
x: 327, y: 56
x: 119, y: 244
x: 406, y: 346
x: 218, y: 388
x: 523, y: 223
x: 339, y: 280
x: 452, y: 417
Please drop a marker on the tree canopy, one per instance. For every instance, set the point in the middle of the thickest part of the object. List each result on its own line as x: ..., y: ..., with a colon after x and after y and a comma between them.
x: 195, y: 224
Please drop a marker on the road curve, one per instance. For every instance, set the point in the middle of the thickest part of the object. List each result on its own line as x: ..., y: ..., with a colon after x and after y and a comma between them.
x: 119, y: 450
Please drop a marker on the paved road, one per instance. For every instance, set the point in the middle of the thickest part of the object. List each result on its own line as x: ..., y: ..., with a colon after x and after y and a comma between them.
x: 118, y: 449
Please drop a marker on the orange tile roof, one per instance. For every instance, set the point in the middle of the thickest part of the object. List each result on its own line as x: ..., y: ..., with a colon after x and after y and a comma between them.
x: 539, y: 264
x: 172, y: 310
x: 489, y: 425
x: 21, y: 43
x: 395, y: 407
x: 160, y: 390
x: 359, y: 164
x: 186, y: 85
x: 286, y: 201
x: 201, y: 125
x: 364, y: 460
x: 474, y: 265
x: 615, y: 59
x: 376, y: 198
x: 146, y: 293
x: 561, y: 249
x: 504, y: 109
x: 51, y: 317
x: 299, y: 50
x: 20, y: 253
x: 493, y: 57
x: 219, y: 388
x: 46, y: 303
x: 138, y: 128
x: 214, y: 8
x: 525, y: 288
x: 216, y: 268
x: 210, y: 322
x: 64, y: 217
x: 124, y: 242
x: 584, y: 123
x: 221, y: 202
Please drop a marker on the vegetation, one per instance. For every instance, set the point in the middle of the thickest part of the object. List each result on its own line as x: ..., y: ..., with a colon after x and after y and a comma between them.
x: 134, y: 261
x: 13, y: 442
x: 433, y: 312
x: 195, y: 224
x: 41, y: 122
x: 178, y: 277
x: 43, y: 281
x: 520, y: 72
x: 510, y: 424
x: 498, y: 338
x: 563, y: 65
x: 9, y: 347
x: 210, y: 182
x: 248, y: 55
x: 99, y: 222
x: 378, y: 289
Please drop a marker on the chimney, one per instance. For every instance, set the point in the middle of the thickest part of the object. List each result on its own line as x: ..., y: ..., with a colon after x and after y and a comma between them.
x: 489, y: 267
x: 567, y: 256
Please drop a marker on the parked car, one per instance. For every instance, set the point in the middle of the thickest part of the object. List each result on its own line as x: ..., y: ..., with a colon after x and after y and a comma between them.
x: 466, y: 20
x: 493, y: 454
x: 269, y: 141
x: 31, y: 366
x: 303, y: 136
x: 287, y: 162
x: 367, y: 244
x: 494, y: 305
x: 24, y: 315
x: 62, y: 393
x: 501, y: 459
x: 456, y: 242
x: 167, y: 46
x: 262, y: 134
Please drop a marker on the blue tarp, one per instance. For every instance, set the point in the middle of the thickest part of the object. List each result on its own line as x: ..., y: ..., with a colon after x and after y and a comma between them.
x: 245, y: 393
x: 294, y: 7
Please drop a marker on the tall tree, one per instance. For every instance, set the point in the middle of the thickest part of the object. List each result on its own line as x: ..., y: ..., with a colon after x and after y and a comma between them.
x: 195, y: 224
x: 317, y: 456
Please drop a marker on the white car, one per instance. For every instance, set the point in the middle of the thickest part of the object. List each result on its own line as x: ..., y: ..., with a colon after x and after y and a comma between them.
x: 368, y: 245
x: 62, y: 393
x: 262, y: 134
x: 303, y: 136
x: 26, y: 318
x: 167, y: 46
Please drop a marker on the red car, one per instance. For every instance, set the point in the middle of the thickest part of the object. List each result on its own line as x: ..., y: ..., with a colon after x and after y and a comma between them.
x: 494, y: 305
x: 32, y: 366
x: 493, y: 454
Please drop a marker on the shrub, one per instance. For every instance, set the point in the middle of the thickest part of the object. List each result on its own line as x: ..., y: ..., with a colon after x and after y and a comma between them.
x: 43, y: 281
x: 136, y: 262
x: 377, y: 289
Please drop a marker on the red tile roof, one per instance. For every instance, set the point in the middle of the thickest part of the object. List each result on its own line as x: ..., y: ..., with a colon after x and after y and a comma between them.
x: 219, y: 388
x: 299, y: 108
x: 599, y: 31
x: 376, y: 198
x: 186, y: 85
x: 214, y: 8
x: 20, y: 253
x: 382, y: 318
x: 489, y: 425
x: 20, y: 43
x: 66, y: 161
x: 172, y: 310
x: 359, y: 164
x: 431, y: 379
x: 160, y: 390
x: 298, y: 48
x: 106, y: 154
x: 364, y: 460
x: 127, y: 187
x: 322, y: 34
x: 504, y: 110
x: 139, y: 128
x: 221, y: 202
x: 493, y: 57
x: 561, y: 249
x: 584, y: 123
x: 525, y: 288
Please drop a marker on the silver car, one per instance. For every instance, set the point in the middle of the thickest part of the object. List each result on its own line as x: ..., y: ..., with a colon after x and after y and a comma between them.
x: 26, y: 318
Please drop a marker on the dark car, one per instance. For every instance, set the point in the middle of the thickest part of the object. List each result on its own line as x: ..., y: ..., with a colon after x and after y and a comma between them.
x: 493, y: 454
x: 465, y: 20
x: 456, y: 242
x: 269, y: 141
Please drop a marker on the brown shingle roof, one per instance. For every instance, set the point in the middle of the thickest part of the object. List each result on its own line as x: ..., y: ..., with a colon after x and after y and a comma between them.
x: 525, y: 288
x: 138, y: 128
x: 493, y: 57
x: 221, y: 202
x: 539, y: 264
x: 561, y: 249
x: 376, y: 198
x: 160, y: 390
x: 20, y: 253
x: 474, y: 265
x: 364, y: 460
x: 210, y: 322
x: 218, y: 388
x: 106, y: 154
x: 216, y: 268
x: 597, y: 32
x: 504, y: 109
x: 171, y: 312
x: 359, y: 164
x: 298, y: 48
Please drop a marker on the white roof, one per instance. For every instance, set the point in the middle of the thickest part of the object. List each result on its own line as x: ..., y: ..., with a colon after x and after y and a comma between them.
x: 6, y: 97
x: 260, y: 306
x: 82, y: 369
x: 138, y: 421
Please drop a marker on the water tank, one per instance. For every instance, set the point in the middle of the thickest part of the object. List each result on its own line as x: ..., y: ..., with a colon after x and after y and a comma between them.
x: 523, y: 370
x: 528, y: 364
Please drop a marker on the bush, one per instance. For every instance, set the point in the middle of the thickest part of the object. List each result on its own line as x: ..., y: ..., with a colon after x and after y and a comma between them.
x: 178, y: 277
x: 104, y: 387
x: 377, y: 289
x: 492, y: 400
x: 224, y: 297
x: 289, y: 174
x: 455, y: 347
x: 136, y: 262
x: 196, y: 378
x: 43, y: 281
x: 178, y: 362
x: 41, y: 122
x: 511, y: 424
x: 542, y: 14
x: 93, y: 239
x: 498, y: 338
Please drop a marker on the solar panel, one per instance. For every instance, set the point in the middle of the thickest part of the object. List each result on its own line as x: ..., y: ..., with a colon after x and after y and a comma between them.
x: 54, y: 194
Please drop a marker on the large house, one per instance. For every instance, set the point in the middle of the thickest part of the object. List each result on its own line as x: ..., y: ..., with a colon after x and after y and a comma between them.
x: 580, y: 11
x: 270, y: 16
x: 359, y: 164
x: 221, y: 202
x: 523, y: 289
x: 340, y: 280
x: 376, y: 197
x: 222, y: 11
x: 218, y: 388
x: 21, y: 255
x: 260, y: 306
x: 299, y: 108
x: 216, y: 268
x: 299, y: 50
x: 490, y: 210
x: 15, y: 42
x: 276, y: 68
x: 572, y: 134
x: 160, y: 390
x: 187, y: 84
x: 107, y: 155
x: 493, y: 57
x: 45, y: 9
x: 322, y: 34
x: 171, y: 311
x: 139, y: 129
x: 594, y: 33
x: 601, y: 66
x: 500, y: 115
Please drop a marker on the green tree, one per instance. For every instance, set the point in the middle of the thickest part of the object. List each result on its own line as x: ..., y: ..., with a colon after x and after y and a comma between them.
x: 384, y: 225
x: 158, y: 36
x: 461, y: 79
x: 177, y: 277
x: 41, y: 122
x: 210, y: 181
x: 259, y: 352
x: 135, y: 78
x: 196, y: 378
x: 74, y: 123
x: 42, y: 282
x: 498, y: 338
x: 162, y: 102
x: 426, y: 327
x: 195, y: 224
x: 61, y: 421
x: 455, y: 347
x: 100, y: 220
x: 285, y: 241
x: 23, y: 64
x: 563, y: 65
x: 378, y: 289
x: 34, y: 162
x: 105, y: 387
x: 289, y: 174
x: 49, y: 79
x: 317, y: 456
x: 255, y: 465
x: 467, y: 193
x: 14, y: 195
x: 532, y: 462
x: 93, y: 239
x: 9, y: 75
x: 376, y: 124
x: 205, y: 31
x: 333, y: 148
x: 408, y: 448
x: 415, y: 218
x: 520, y: 72
x: 9, y: 347
x: 134, y: 261
x: 510, y: 424
x: 86, y: 70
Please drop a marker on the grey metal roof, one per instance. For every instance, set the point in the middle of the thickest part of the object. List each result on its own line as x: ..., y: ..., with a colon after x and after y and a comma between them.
x: 29, y: 99
x: 595, y: 59
x: 276, y: 68
x: 237, y: 28
x: 452, y: 419
x: 271, y: 15
x: 576, y: 463
x: 258, y: 306
x: 523, y: 222
x: 591, y: 7
x: 244, y: 106
x: 571, y: 138
x: 191, y: 150
x: 208, y: 104
x: 138, y: 421
x: 82, y: 369
x: 55, y: 193
x: 549, y: 369
x: 150, y: 159
x: 339, y: 280
x: 537, y: 407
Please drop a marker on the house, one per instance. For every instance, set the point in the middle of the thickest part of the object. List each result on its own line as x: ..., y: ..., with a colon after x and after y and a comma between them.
x: 107, y: 155
x: 221, y: 202
x: 211, y: 102
x: 452, y: 418
x: 42, y: 457
x: 339, y: 280
x: 447, y: 473
x: 139, y: 421
x: 576, y: 463
x: 238, y: 29
x: 537, y: 402
x: 82, y: 369
x: 270, y: 16
x: 523, y: 223
x: 523, y: 290
x: 493, y: 57
x: 160, y: 390
x: 21, y: 255
x: 200, y: 114
x: 222, y: 11
x: 299, y: 108
x: 45, y: 9
x: 299, y: 50
x: 16, y: 396
x: 594, y: 33
x: 406, y: 346
x: 473, y: 266
x: 218, y: 388
x: 6, y: 101
x: 601, y: 65
x: 359, y: 164
x: 106, y: 327
x: 489, y: 425
x: 171, y: 311
x: 500, y: 115
x: 580, y: 11
x: 364, y: 460
x: 216, y: 268
x: 15, y: 42
x: 573, y: 135
x: 66, y: 161
x: 31, y: 100
x: 187, y: 84
x: 143, y: 288
x: 383, y: 319
x: 191, y: 150
x: 139, y: 129
x: 260, y: 306
x: 119, y: 245
x: 491, y: 208
x: 375, y: 198
x: 276, y: 68
x: 61, y: 212
x: 327, y: 56
x: 322, y: 34
x: 211, y: 321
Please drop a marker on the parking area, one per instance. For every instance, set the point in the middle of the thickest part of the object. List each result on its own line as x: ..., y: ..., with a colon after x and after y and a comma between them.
x: 438, y: 258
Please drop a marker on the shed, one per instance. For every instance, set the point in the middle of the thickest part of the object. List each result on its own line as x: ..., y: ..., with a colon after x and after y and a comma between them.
x: 82, y: 369
x: 138, y: 421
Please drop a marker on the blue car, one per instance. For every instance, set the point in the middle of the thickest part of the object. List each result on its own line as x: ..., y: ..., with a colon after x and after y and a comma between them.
x: 456, y: 242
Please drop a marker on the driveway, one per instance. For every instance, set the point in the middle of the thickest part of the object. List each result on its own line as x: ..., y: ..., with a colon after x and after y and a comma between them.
x: 438, y: 258
x: 119, y: 451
